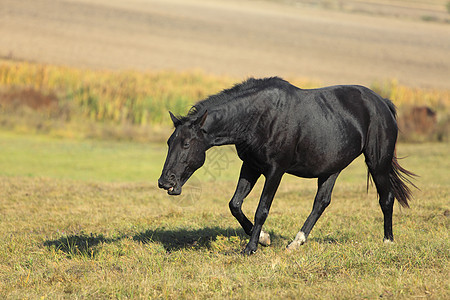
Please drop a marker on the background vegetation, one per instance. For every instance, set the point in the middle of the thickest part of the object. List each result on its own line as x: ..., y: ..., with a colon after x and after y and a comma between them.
x: 67, y: 101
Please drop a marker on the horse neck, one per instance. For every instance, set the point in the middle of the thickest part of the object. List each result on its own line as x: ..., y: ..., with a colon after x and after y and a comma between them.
x: 229, y: 127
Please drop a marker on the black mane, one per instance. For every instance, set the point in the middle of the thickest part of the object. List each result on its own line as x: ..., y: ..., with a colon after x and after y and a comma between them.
x: 240, y: 90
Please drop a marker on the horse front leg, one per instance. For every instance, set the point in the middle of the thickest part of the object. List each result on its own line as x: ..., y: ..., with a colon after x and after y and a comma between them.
x: 270, y: 187
x: 247, y: 181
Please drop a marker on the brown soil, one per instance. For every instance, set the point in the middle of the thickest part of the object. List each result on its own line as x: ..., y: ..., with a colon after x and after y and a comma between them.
x: 246, y: 38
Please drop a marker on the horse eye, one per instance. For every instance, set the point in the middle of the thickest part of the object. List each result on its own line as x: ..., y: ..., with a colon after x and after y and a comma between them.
x: 186, y: 145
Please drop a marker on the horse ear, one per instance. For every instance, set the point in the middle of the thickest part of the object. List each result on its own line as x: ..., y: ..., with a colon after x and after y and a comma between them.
x: 207, y: 121
x: 201, y: 120
x: 175, y: 120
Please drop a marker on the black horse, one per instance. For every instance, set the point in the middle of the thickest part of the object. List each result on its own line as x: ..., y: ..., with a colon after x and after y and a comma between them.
x: 278, y: 128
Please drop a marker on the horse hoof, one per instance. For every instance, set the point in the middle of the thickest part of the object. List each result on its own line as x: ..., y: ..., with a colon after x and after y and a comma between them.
x: 248, y: 252
x: 264, y: 238
x: 293, y: 246
x: 388, y: 241
x: 299, y: 240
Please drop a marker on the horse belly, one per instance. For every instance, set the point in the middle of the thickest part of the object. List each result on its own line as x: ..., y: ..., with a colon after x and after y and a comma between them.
x: 331, y: 153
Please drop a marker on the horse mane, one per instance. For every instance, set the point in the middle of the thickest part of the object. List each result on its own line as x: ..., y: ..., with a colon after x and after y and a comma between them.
x: 236, y: 93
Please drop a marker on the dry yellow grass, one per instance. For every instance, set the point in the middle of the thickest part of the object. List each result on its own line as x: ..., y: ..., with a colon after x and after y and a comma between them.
x: 85, y: 219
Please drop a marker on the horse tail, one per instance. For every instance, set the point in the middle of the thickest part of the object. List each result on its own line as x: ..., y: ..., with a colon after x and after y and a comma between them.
x: 399, y: 177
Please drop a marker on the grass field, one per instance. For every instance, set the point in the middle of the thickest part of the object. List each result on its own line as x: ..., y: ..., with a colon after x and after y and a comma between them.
x: 86, y: 219
x: 84, y: 91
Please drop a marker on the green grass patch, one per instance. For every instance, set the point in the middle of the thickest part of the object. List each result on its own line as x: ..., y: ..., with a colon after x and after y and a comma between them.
x: 86, y: 219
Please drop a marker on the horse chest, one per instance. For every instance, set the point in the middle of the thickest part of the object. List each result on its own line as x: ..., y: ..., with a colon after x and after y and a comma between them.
x: 263, y: 158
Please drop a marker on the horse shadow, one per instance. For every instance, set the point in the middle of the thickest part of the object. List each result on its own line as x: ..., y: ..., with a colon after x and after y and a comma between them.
x: 183, y: 238
x: 88, y: 245
x: 80, y: 244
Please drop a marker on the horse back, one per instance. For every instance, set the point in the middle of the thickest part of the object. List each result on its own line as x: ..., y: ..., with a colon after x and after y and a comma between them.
x: 333, y: 125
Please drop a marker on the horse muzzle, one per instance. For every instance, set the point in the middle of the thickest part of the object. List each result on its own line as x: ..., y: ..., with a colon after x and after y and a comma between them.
x: 171, y: 186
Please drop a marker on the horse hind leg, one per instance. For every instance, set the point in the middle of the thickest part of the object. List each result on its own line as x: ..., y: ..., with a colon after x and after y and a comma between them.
x: 386, y: 200
x: 380, y: 170
x: 321, y: 201
x: 391, y: 183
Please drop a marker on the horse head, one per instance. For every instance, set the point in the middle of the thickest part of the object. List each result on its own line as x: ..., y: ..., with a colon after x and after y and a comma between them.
x: 187, y: 147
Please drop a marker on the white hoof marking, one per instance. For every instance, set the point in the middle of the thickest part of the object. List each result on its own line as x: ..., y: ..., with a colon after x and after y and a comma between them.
x: 388, y: 241
x: 264, y: 238
x: 299, y: 240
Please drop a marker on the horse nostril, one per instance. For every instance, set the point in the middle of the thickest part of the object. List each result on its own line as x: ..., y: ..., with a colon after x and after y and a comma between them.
x: 172, y: 177
x: 165, y: 182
